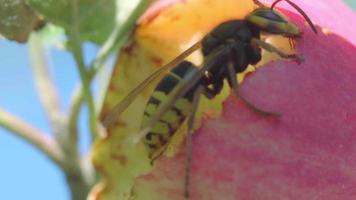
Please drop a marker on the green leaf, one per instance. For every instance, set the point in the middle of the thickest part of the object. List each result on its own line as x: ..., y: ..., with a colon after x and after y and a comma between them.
x: 17, y: 20
x: 52, y: 35
x: 96, y: 18
x: 352, y: 3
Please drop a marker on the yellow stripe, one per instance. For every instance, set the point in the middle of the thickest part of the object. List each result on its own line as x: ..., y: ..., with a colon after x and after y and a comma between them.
x: 159, y: 95
x: 184, y: 105
x: 151, y: 108
x: 145, y: 119
x: 162, y: 128
x: 171, y: 117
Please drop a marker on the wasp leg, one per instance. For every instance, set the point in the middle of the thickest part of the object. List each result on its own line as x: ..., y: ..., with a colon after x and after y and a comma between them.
x: 273, y: 49
x: 210, y: 93
x: 191, y: 119
x: 291, y: 42
x: 155, y: 157
x: 235, y: 88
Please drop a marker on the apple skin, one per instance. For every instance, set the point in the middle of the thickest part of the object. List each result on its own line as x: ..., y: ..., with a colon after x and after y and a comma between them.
x: 306, y: 153
x: 309, y: 152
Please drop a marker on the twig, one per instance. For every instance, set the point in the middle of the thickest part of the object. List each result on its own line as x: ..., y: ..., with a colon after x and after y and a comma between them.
x: 46, y: 90
x: 74, y: 110
x: 32, y: 135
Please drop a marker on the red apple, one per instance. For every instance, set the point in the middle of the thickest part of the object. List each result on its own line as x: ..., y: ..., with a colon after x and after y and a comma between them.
x: 308, y: 152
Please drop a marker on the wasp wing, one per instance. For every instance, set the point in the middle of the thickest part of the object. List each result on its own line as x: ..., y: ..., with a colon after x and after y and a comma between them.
x: 182, y: 88
x: 113, y: 115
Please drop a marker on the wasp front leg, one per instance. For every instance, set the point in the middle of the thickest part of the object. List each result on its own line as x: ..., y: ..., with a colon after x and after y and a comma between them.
x: 213, y: 89
x: 234, y: 85
x: 273, y: 49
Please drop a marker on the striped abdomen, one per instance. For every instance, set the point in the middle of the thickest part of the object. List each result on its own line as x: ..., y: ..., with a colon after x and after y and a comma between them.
x: 162, y: 131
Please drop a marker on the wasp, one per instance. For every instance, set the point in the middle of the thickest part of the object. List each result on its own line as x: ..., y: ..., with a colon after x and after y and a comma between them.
x: 227, y: 50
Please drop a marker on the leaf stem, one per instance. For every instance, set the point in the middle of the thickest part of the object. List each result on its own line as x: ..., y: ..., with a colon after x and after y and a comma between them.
x: 74, y: 110
x: 118, y: 36
x: 77, y: 50
x: 115, y: 41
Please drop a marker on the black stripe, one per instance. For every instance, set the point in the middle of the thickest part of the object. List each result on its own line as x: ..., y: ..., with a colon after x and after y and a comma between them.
x: 183, y: 69
x: 149, y: 136
x: 152, y: 146
x: 167, y: 84
x: 153, y: 100
x: 161, y: 139
x: 147, y: 114
x: 178, y: 112
x: 171, y: 129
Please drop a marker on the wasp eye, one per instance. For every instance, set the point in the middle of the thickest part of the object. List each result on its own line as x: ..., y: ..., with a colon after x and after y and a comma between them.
x: 270, y: 15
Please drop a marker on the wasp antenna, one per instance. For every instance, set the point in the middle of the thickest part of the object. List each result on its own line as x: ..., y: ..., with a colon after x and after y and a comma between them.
x: 258, y: 3
x: 311, y: 24
x: 274, y: 3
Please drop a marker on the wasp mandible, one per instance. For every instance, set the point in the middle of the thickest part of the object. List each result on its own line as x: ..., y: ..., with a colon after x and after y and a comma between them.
x: 227, y: 50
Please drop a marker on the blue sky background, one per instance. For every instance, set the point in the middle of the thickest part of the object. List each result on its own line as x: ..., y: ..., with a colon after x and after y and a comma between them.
x: 24, y: 172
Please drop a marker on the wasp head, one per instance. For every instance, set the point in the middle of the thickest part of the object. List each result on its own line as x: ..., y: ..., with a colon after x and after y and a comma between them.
x: 270, y: 21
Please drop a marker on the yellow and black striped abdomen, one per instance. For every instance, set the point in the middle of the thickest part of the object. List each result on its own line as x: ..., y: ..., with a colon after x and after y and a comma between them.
x: 162, y: 131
